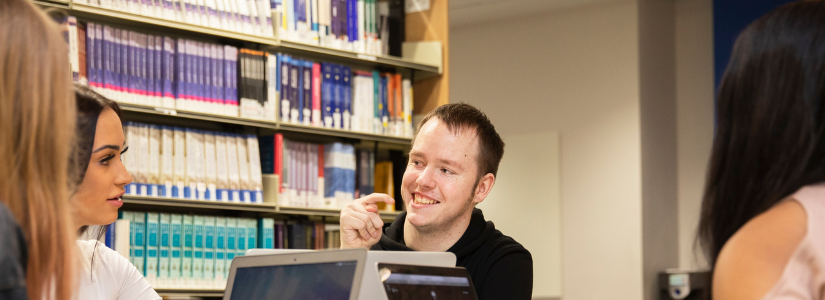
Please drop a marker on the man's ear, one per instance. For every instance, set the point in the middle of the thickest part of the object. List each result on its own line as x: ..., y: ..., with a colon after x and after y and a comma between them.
x: 483, y: 188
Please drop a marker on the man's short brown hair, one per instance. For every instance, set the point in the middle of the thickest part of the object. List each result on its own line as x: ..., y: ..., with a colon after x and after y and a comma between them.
x: 459, y: 116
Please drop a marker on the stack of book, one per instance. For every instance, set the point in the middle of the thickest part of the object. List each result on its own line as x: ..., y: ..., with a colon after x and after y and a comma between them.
x: 365, y: 26
x: 318, y: 176
x: 192, y: 164
x: 334, y: 96
x: 196, y: 252
x: 252, y: 17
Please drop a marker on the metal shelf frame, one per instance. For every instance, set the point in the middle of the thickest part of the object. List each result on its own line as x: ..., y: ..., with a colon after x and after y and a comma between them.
x: 277, y: 126
x: 267, y: 208
x: 200, y: 204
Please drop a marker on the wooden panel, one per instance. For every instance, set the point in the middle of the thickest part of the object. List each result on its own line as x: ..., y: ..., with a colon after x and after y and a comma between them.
x: 431, y: 25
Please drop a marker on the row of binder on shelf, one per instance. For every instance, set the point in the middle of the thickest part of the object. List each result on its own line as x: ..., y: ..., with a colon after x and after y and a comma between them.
x: 252, y: 17
x: 365, y: 26
x: 194, y: 251
x: 181, y: 74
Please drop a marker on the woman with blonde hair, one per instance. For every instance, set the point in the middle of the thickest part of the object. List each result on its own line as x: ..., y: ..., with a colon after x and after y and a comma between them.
x: 37, y: 121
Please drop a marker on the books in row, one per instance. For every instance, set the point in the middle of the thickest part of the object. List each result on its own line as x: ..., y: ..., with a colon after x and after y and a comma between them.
x: 317, y: 176
x: 334, y: 96
x: 252, y: 17
x: 171, y: 73
x: 181, y: 74
x: 196, y: 252
x: 186, y: 251
x: 364, y: 26
x: 188, y: 163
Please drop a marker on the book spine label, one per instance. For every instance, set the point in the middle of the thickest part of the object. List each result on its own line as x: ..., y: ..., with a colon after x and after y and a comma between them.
x: 176, y: 249
x: 188, y: 246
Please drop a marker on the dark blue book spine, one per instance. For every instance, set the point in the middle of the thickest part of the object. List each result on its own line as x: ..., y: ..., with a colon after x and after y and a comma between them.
x: 229, y: 66
x: 190, y: 67
x: 267, y: 147
x: 99, y: 54
x: 299, y: 65
x: 207, y: 73
x: 283, y: 74
x: 217, y: 94
x: 326, y: 93
x: 301, y: 11
x: 346, y: 93
x: 123, y: 47
x: 150, y: 63
x: 91, y: 72
x: 337, y: 93
x: 198, y: 72
x: 293, y: 86
x: 107, y: 57
x: 219, y: 75
x: 180, y: 70
x: 382, y: 94
x: 352, y: 20
x: 306, y: 110
x: 110, y: 236
x: 168, y: 67
x: 342, y: 17
x: 116, y: 82
x: 385, y: 113
x: 335, y: 24
x: 158, y: 66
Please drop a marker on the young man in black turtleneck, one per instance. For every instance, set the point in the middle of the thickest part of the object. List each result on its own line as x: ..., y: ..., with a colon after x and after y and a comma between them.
x: 453, y: 163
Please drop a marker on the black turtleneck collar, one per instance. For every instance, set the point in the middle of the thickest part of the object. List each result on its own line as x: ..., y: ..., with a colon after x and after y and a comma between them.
x: 478, y: 231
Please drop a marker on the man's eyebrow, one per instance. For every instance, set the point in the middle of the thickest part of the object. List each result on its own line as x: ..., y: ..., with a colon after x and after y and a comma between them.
x: 114, y: 147
x: 449, y: 162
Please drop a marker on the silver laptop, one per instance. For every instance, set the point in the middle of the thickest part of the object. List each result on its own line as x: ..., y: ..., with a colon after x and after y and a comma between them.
x: 426, y: 282
x: 327, y: 275
x: 371, y: 286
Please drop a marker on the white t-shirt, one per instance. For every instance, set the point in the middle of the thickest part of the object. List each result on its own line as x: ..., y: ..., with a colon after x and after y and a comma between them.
x: 114, y: 277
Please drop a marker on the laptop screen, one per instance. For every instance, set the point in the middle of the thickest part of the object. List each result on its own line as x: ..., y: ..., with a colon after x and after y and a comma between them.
x: 304, y: 281
x: 420, y: 282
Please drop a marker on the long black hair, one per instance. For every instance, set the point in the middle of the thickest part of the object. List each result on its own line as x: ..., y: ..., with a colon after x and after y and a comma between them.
x: 89, y: 106
x: 770, y: 134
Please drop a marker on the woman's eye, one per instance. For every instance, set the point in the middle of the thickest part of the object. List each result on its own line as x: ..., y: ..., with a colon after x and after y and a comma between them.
x: 105, y: 160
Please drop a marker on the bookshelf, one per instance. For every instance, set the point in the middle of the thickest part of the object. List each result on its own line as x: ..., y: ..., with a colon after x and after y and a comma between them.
x: 151, y: 24
x: 430, y: 84
x: 163, y: 203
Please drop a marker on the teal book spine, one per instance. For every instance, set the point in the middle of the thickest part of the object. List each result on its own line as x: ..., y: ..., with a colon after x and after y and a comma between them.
x: 266, y: 233
x: 251, y: 234
x: 240, y: 235
x: 197, y: 255
x: 177, y: 246
x: 230, y: 244
x: 209, y: 251
x: 152, y: 247
x: 220, y: 251
x: 132, y: 232
x: 165, y: 249
x: 140, y: 241
x: 188, y: 244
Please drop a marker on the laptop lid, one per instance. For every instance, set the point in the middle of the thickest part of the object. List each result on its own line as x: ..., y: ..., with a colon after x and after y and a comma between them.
x: 334, y: 274
x: 426, y: 282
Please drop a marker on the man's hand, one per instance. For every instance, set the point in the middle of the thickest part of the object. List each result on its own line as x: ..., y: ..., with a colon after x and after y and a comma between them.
x: 360, y: 223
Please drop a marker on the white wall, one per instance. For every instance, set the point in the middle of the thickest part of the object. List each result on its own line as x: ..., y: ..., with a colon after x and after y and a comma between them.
x: 694, y: 100
x: 528, y: 182
x: 574, y: 71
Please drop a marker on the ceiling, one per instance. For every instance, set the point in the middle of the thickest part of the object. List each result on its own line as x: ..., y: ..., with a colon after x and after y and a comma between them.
x: 469, y: 12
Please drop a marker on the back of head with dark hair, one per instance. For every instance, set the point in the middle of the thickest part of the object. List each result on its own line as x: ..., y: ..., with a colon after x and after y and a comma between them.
x: 770, y: 134
x: 458, y: 116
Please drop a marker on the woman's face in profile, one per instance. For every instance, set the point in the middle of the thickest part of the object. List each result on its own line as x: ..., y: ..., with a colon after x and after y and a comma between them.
x: 98, y: 197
